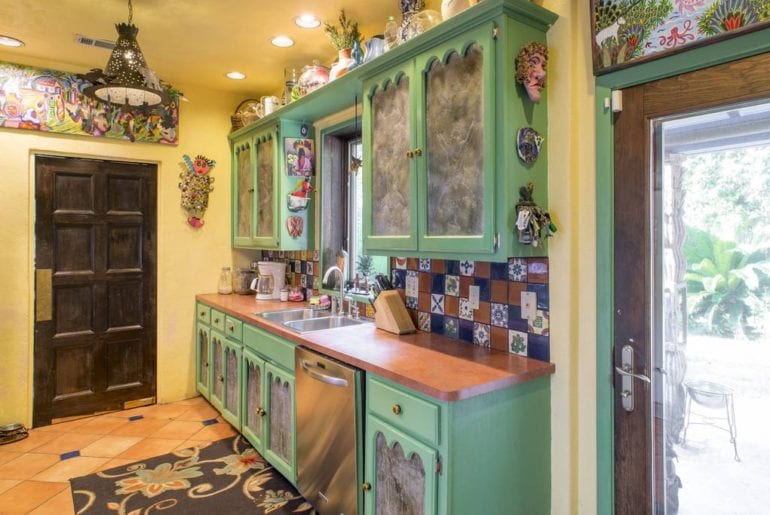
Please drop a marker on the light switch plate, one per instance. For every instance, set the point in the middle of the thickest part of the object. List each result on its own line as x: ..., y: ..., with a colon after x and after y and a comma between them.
x: 528, y: 305
x: 473, y: 296
x: 412, y: 285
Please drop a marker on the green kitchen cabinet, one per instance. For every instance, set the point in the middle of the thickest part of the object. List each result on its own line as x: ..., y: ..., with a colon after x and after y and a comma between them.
x: 231, y: 402
x: 253, y: 409
x: 486, y: 454
x: 261, y: 188
x: 202, y: 359
x: 217, y: 385
x: 280, y: 444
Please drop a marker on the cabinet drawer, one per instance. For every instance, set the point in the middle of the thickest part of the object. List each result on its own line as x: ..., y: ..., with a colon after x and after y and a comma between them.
x: 233, y: 328
x: 403, y: 410
x: 203, y: 312
x: 218, y: 320
x: 271, y: 347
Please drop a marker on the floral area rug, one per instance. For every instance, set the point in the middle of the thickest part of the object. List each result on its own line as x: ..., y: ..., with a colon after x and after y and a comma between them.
x: 226, y: 477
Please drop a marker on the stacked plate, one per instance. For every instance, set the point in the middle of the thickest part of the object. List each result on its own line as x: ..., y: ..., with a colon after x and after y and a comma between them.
x: 12, y: 433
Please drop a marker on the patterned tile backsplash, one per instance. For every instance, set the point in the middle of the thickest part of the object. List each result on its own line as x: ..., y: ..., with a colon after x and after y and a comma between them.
x: 437, y: 295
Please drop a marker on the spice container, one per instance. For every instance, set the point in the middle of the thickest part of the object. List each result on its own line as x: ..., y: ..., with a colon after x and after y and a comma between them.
x: 242, y: 280
x: 225, y: 285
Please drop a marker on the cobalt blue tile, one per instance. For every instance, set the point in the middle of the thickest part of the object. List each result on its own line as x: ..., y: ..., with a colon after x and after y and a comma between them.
x: 68, y: 455
x: 466, y: 330
x: 499, y: 271
x: 515, y: 321
x: 437, y: 323
x: 303, y: 267
x: 210, y: 422
x: 399, y: 278
x: 539, y: 347
x: 135, y: 417
x: 437, y: 284
x: 484, y: 290
x: 542, y: 294
x: 452, y: 267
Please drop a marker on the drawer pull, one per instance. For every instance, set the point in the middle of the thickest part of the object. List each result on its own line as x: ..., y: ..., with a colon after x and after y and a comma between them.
x: 261, y: 412
x: 203, y: 313
x: 221, y: 379
x: 366, y: 487
x: 231, y: 328
x: 396, y: 409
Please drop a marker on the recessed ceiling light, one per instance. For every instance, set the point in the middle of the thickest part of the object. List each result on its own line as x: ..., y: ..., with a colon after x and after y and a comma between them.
x: 282, y: 41
x: 9, y: 41
x: 307, y: 21
x: 235, y: 75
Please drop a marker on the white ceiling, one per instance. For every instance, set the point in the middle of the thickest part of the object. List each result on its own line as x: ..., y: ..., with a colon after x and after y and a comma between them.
x: 188, y: 42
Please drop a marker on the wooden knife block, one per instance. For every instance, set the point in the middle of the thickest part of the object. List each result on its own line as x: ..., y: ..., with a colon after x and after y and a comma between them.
x: 391, y: 314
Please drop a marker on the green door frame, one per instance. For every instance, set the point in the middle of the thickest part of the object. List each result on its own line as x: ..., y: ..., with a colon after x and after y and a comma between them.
x: 702, y: 57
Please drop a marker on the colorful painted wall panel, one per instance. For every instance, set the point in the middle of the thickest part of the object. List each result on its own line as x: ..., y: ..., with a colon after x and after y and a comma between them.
x: 52, y: 101
x: 627, y: 32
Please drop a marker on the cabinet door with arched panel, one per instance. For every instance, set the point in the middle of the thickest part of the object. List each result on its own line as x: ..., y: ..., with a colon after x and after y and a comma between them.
x: 253, y: 407
x: 280, y: 436
x: 231, y: 401
x: 217, y: 385
x: 202, y: 359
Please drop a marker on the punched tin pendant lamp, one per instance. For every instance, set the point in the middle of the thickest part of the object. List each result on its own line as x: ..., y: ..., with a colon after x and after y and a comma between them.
x: 127, y: 81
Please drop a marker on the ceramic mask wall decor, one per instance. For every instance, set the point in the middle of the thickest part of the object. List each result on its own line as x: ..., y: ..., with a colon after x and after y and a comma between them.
x: 196, y: 186
x: 528, y: 143
x: 531, y: 69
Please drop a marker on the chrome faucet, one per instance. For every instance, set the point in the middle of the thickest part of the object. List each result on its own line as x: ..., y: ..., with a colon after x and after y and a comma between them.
x: 341, y: 308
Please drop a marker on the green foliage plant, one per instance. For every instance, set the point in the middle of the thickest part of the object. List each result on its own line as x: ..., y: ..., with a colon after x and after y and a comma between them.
x: 345, y: 35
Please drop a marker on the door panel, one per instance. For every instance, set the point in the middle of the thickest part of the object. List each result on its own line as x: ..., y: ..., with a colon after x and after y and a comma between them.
x: 649, y: 268
x: 95, y: 238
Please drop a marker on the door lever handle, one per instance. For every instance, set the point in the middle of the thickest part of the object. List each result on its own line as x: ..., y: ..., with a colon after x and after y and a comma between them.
x: 628, y: 373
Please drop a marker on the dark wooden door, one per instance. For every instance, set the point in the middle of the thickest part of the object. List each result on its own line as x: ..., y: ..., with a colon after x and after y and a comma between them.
x: 95, y: 299
x: 641, y: 469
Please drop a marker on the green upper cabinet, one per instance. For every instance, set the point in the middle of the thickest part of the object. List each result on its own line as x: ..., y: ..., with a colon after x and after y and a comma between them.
x: 260, y: 189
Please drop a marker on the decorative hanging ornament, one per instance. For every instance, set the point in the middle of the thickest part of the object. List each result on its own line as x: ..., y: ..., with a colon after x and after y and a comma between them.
x: 196, y: 186
x: 533, y: 223
x: 528, y: 143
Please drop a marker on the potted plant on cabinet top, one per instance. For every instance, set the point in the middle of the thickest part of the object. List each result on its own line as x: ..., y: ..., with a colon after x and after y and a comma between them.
x: 343, y: 38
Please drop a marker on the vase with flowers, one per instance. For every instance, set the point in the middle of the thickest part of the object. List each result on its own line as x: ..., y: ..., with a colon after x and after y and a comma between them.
x: 343, y: 39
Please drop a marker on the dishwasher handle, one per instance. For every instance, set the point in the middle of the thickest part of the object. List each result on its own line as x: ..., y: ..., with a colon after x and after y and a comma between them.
x: 313, y: 371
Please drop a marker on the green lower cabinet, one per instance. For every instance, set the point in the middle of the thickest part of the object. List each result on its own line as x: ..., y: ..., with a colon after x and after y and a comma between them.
x: 253, y: 401
x: 217, y: 388
x: 231, y: 402
x: 280, y: 434
x: 202, y: 358
x: 401, y: 473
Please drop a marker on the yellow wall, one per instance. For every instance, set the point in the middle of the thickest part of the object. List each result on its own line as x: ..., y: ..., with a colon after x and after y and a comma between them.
x: 188, y: 260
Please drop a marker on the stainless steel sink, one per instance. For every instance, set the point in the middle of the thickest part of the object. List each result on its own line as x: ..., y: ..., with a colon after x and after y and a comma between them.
x: 287, y: 315
x: 319, y: 324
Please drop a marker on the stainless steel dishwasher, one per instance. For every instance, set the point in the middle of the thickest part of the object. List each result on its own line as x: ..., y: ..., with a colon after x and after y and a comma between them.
x: 328, y: 431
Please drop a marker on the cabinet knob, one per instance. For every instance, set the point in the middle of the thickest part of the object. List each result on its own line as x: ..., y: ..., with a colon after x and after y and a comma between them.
x: 203, y: 313
x: 261, y: 412
x: 221, y: 379
x: 409, y: 154
x: 216, y: 320
x: 396, y: 409
x: 418, y: 152
x: 206, y: 364
x: 251, y: 190
x: 366, y: 487
x: 231, y: 328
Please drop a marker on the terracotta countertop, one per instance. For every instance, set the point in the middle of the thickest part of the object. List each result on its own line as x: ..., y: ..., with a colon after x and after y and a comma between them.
x: 435, y: 365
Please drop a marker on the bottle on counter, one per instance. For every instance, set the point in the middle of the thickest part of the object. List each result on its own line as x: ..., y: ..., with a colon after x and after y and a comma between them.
x: 225, y: 286
x: 391, y: 33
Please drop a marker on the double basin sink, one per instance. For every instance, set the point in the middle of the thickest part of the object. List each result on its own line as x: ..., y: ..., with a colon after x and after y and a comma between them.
x: 304, y: 320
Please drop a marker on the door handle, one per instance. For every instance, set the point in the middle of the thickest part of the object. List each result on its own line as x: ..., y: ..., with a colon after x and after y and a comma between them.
x: 313, y: 372
x: 626, y: 371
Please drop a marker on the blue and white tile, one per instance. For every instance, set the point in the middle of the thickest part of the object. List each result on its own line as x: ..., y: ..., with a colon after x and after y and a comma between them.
x: 451, y: 327
x: 452, y: 285
x: 298, y: 266
x: 481, y: 335
x: 411, y: 302
x: 412, y: 283
x: 309, y: 268
x: 424, y: 265
x: 517, y: 270
x: 437, y: 303
x: 517, y: 342
x: 467, y: 267
x: 399, y: 278
x: 423, y: 321
x: 499, y: 314
x: 466, y: 312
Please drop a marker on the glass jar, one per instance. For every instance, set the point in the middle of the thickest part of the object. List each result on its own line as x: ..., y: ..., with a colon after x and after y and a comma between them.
x: 225, y: 286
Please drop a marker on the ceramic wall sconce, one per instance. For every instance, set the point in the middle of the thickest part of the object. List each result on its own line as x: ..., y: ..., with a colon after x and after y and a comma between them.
x: 196, y: 186
x: 531, y: 69
x: 528, y: 144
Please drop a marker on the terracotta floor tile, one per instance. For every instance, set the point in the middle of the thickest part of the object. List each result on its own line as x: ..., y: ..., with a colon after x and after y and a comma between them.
x: 214, y: 432
x: 7, y: 484
x: 73, y: 467
x: 178, y: 430
x: 28, y: 495
x: 101, y: 425
x: 193, y: 401
x: 6, y: 456
x: 35, y: 439
x: 131, y: 412
x: 59, y: 504
x: 27, y: 465
x: 115, y: 462
x: 150, y: 447
x: 199, y: 413
x: 168, y: 411
x: 63, y: 427
x: 67, y: 442
x: 109, y: 446
x: 141, y: 427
